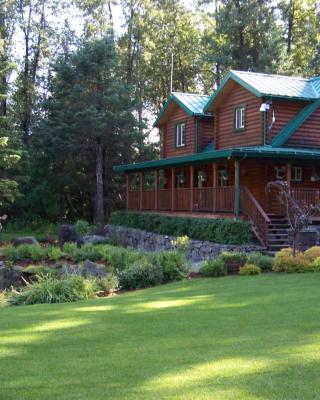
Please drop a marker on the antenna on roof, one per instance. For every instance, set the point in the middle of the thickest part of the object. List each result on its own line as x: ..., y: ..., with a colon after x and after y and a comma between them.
x: 171, y: 75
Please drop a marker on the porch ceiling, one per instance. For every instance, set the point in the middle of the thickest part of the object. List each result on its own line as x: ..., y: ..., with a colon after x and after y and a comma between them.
x: 266, y: 152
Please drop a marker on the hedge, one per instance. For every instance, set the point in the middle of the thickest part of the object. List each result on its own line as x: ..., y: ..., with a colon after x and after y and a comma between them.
x: 223, y: 231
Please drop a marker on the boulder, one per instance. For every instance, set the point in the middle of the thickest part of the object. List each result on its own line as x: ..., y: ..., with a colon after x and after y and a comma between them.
x: 94, y: 239
x: 68, y: 233
x: 10, y: 278
x: 91, y: 269
x: 25, y: 240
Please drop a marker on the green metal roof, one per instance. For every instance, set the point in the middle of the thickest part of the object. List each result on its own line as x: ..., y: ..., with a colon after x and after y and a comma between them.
x: 191, y: 103
x: 295, y: 123
x: 236, y: 153
x: 267, y: 85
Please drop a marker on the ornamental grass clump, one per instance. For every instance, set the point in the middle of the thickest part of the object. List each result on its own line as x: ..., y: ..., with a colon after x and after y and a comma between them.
x: 214, y: 268
x: 250, y: 269
x: 50, y: 289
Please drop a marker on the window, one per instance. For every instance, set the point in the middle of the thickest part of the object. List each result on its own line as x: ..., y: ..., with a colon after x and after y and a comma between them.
x: 296, y: 174
x: 181, y: 134
x: 239, y: 118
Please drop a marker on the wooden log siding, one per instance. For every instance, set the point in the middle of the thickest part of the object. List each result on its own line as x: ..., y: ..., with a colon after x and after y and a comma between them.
x: 225, y: 135
x: 284, y: 111
x: 169, y: 134
x: 205, y: 133
x: 308, y: 134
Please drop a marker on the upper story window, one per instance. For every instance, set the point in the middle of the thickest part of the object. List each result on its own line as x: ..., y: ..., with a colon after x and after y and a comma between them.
x: 239, y: 118
x: 181, y: 134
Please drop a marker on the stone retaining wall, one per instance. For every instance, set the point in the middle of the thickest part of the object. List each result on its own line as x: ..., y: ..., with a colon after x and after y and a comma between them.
x: 148, y: 241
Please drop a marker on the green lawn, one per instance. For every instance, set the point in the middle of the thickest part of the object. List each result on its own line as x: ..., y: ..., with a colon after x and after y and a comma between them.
x: 226, y: 338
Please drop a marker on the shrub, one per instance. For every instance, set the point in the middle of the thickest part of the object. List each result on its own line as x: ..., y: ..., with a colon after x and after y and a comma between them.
x: 225, y: 231
x: 3, y: 299
x: 141, y: 274
x: 215, y: 267
x: 49, y: 289
x: 181, y: 243
x: 82, y: 227
x: 54, y: 253
x: 120, y: 258
x: 316, y: 264
x: 24, y: 252
x: 70, y: 248
x: 173, y: 264
x: 249, y: 269
x: 86, y: 252
x: 261, y: 261
x: 313, y: 252
x: 285, y: 262
x: 109, y: 284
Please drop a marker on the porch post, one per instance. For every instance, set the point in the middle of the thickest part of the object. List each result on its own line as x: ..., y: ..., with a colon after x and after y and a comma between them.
x: 289, y: 175
x: 172, y: 188
x: 156, y: 179
x: 127, y: 191
x: 191, y: 186
x: 214, y: 185
x: 237, y: 189
x: 141, y: 188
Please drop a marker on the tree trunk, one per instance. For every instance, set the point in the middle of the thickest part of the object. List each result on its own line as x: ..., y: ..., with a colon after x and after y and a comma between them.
x: 99, y: 211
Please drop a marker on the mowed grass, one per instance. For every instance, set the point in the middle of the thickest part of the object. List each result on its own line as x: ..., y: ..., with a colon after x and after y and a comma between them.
x: 227, y: 338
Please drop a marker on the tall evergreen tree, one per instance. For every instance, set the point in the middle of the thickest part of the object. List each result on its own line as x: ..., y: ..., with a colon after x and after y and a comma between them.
x: 89, y: 127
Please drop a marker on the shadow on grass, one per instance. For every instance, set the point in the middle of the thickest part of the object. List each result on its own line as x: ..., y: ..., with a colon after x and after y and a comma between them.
x: 230, y: 338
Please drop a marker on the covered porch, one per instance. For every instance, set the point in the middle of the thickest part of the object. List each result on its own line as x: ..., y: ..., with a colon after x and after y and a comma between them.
x: 230, y: 182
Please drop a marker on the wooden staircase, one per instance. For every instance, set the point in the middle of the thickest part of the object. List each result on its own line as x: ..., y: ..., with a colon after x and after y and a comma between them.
x: 277, y: 237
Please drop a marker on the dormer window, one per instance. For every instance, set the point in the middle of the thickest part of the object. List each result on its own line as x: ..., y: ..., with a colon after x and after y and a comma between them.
x: 181, y: 134
x: 239, y: 118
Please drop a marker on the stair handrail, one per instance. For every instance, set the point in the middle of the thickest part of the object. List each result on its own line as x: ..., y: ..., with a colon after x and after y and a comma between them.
x: 262, y: 230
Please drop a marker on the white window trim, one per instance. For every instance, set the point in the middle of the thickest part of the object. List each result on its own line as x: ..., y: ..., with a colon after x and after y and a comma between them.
x: 181, y: 134
x: 296, y: 177
x: 240, y: 118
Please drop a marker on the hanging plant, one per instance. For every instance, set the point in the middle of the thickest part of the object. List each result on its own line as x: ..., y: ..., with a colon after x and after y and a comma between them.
x: 281, y: 172
x: 202, y: 175
x: 181, y: 178
x: 224, y: 174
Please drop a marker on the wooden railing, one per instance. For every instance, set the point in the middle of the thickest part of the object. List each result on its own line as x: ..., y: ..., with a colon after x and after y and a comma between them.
x: 182, y: 199
x: 164, y: 199
x: 134, y: 200
x: 207, y: 199
x: 306, y: 196
x: 255, y: 213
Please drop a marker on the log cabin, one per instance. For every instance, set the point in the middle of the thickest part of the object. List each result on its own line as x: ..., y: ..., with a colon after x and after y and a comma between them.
x: 219, y: 152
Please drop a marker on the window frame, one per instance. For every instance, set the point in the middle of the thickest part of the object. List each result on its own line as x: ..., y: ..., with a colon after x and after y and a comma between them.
x: 241, y: 107
x: 293, y: 175
x: 184, y: 143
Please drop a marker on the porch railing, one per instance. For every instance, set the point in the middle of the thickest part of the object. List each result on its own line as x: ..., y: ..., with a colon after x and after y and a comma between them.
x: 255, y: 213
x: 208, y: 199
x: 306, y: 196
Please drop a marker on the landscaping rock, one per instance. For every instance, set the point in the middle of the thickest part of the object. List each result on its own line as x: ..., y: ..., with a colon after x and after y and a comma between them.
x: 91, y: 269
x: 68, y: 233
x: 148, y: 241
x: 9, y: 278
x: 94, y: 239
x: 25, y: 240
